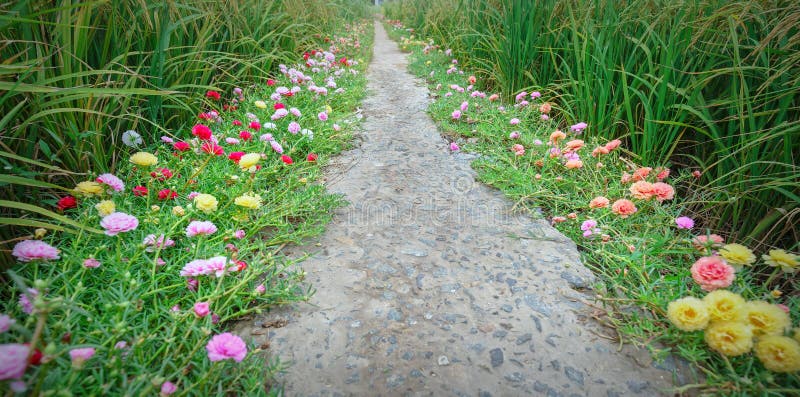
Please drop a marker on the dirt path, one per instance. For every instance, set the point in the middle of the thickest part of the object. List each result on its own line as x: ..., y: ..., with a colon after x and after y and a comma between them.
x: 428, y: 285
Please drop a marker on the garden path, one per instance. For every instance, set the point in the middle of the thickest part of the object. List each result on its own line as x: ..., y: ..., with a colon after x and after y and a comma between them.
x: 428, y: 284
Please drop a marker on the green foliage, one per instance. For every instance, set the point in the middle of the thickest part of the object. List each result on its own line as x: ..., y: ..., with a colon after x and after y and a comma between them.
x: 710, y: 84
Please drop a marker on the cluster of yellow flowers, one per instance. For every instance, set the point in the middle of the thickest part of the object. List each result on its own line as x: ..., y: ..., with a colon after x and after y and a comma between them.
x: 738, y: 255
x: 734, y: 327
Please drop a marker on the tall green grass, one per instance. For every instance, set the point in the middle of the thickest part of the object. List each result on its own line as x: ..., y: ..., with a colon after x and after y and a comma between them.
x: 712, y: 85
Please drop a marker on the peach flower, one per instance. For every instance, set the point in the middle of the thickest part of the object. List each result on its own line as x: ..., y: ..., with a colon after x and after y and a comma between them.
x: 641, y: 173
x: 663, y: 191
x: 557, y: 135
x: 642, y: 190
x: 623, y: 208
x: 599, y: 202
x: 712, y: 272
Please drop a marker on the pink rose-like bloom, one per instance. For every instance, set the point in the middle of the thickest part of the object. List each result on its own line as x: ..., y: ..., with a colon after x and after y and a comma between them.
x: 624, y: 208
x: 192, y: 284
x: 80, y: 355
x: 217, y: 266
x: 192, y: 195
x: 712, y: 272
x: 225, y: 346
x: 518, y: 149
x: 167, y: 388
x: 589, y: 227
x: 276, y: 147
x: 266, y: 138
x: 663, y: 191
x: 153, y: 243
x: 121, y: 345
x: 25, y: 300
x: 611, y: 145
x: 454, y: 147
x: 642, y: 190
x: 464, y: 106
x: 261, y: 289
x: 15, y: 360
x: 294, y: 127
x: 239, y: 234
x: 599, y: 202
x: 295, y: 112
x: 201, y: 309
x: 91, y: 263
x: 112, y: 181
x: 323, y: 116
x: 29, y: 250
x: 119, y: 222
x: 514, y: 121
x: 200, y: 228
x: 544, y: 117
x: 337, y: 127
x: 684, y: 222
x: 456, y: 114
x: 6, y: 322
x: 535, y: 94
x: 514, y: 135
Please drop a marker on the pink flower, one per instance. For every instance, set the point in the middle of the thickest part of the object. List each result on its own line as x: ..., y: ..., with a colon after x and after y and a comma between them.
x: 239, y: 234
x: 167, y: 388
x: 589, y: 227
x: 192, y: 284
x: 29, y: 250
x: 200, y: 228
x: 544, y: 117
x: 276, y: 147
x: 599, y: 202
x: 454, y: 147
x: 535, y: 94
x: 611, y: 145
x: 152, y: 243
x: 456, y: 114
x: 201, y: 309
x: 6, y: 322
x: 231, y: 141
x: 518, y: 149
x: 80, y: 355
x: 663, y: 191
x: 217, y: 266
x: 14, y: 362
x: 112, y: 181
x: 261, y: 289
x: 266, y: 138
x: 323, y: 116
x: 225, y: 346
x: 294, y: 127
x: 279, y: 114
x: 712, y: 272
x: 578, y: 127
x: 514, y: 135
x: 26, y: 298
x: 684, y: 222
x: 514, y: 121
x: 255, y: 125
x: 295, y: 112
x: 642, y: 190
x: 192, y: 195
x: 119, y: 222
x: 711, y: 241
x: 464, y: 106
x: 121, y: 345
x: 91, y: 263
x: 624, y: 208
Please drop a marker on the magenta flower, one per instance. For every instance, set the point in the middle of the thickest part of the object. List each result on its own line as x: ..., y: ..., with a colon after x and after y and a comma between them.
x: 201, y: 309
x: 14, y: 362
x: 152, y: 243
x: 684, y: 222
x: 6, y: 322
x: 579, y: 127
x: 454, y: 147
x: 26, y: 300
x: 589, y: 227
x: 167, y: 388
x: 200, y: 228
x: 29, y: 250
x: 225, y: 346
x: 323, y: 116
x: 80, y: 356
x: 456, y: 114
x: 535, y: 94
x: 112, y: 181
x: 217, y: 266
x: 514, y: 121
x: 119, y: 222
x: 91, y: 263
x: 464, y: 106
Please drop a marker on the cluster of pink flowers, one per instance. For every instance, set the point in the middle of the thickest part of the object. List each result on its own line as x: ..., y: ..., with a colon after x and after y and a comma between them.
x: 216, y: 266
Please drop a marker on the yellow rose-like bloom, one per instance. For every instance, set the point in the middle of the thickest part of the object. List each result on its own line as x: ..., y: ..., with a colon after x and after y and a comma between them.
x: 724, y: 305
x: 89, y: 188
x: 260, y: 104
x: 105, y: 207
x: 249, y: 161
x: 785, y: 260
x: 737, y: 255
x: 766, y: 318
x: 143, y: 159
x: 729, y: 338
x: 252, y: 202
x: 688, y: 314
x: 779, y: 353
x: 206, y: 203
x: 178, y: 211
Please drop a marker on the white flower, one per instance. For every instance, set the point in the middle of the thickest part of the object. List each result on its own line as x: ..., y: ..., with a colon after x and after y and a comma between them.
x: 131, y: 138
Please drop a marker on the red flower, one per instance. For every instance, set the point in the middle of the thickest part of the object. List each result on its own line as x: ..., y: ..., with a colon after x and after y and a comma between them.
x: 36, y: 357
x: 240, y: 265
x: 229, y: 108
x: 166, y: 194
x: 306, y: 55
x: 237, y: 123
x: 140, y: 191
x: 212, y: 148
x: 246, y: 136
x: 213, y: 95
x: 181, y: 146
x: 201, y: 131
x: 205, y: 116
x: 279, y: 106
x: 289, y: 94
x: 270, y: 82
x: 236, y: 156
x: 343, y: 61
x: 286, y: 159
x: 312, y: 157
x: 66, y: 203
x: 255, y: 125
x: 161, y: 174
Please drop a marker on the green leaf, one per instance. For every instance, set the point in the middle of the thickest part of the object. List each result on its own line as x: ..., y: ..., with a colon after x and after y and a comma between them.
x: 47, y: 213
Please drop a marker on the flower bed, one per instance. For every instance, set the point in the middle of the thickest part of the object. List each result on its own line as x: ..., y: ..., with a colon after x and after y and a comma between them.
x: 655, y: 269
x: 131, y: 294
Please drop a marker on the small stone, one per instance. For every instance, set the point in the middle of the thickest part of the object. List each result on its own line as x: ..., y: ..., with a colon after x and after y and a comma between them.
x: 636, y: 386
x: 574, y: 281
x: 515, y: 377
x: 496, y: 355
x: 395, y: 380
x: 524, y: 339
x: 484, y: 394
x: 507, y: 308
x: 574, y: 375
x: 413, y: 252
x: 415, y: 373
x: 443, y: 361
x: 556, y: 365
x: 500, y: 333
x: 395, y: 315
x: 408, y: 356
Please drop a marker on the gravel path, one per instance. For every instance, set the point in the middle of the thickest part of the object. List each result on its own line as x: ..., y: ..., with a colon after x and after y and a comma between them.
x: 427, y: 284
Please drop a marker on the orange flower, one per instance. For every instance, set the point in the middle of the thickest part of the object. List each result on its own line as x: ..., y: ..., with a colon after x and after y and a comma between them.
x: 572, y: 215
x: 641, y: 173
x: 545, y: 108
x: 663, y: 191
x: 472, y: 79
x: 574, y: 145
x: 624, y: 208
x: 626, y: 177
x: 559, y: 219
x: 493, y: 97
x: 572, y: 164
x: 556, y: 136
x: 663, y: 174
x: 613, y: 144
x: 642, y: 190
x: 599, y: 150
x: 599, y: 202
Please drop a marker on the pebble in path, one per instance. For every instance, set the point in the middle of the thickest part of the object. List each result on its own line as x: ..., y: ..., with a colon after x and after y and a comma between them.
x: 427, y: 284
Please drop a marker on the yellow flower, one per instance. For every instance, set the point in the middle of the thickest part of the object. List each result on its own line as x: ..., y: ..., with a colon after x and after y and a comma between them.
x: 797, y: 334
x: 155, y: 208
x: 178, y: 211
x: 89, y: 188
x: 249, y: 161
x: 143, y: 159
x: 252, y: 202
x: 206, y: 203
x: 766, y: 318
x: 724, y: 305
x: 105, y: 207
x: 260, y: 104
x: 688, y: 314
x: 39, y: 233
x: 737, y: 255
x: 328, y: 109
x: 785, y: 260
x: 729, y: 338
x: 779, y: 353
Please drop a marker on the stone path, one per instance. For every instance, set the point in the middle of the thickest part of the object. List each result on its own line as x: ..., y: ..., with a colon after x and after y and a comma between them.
x: 427, y: 284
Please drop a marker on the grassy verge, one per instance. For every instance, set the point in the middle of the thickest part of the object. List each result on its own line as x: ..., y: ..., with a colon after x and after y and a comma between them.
x: 629, y: 223
x: 130, y: 289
